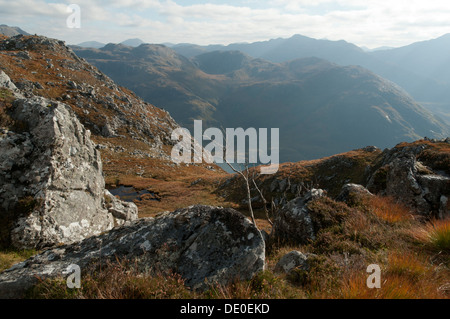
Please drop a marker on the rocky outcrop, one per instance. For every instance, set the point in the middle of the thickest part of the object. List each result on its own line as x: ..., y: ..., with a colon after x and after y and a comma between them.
x: 21, y: 43
x: 6, y: 82
x: 122, y: 211
x: 203, y: 244
x: 102, y: 106
x: 51, y: 182
x: 405, y: 178
x: 293, y: 223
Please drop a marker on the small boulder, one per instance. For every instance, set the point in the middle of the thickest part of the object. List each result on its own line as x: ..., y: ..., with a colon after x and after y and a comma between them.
x: 123, y: 212
x: 352, y: 192
x: 293, y: 223
x: 291, y: 261
x: 405, y: 178
x: 6, y: 82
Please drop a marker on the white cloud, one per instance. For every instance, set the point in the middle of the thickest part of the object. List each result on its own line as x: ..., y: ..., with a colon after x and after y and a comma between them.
x: 370, y: 22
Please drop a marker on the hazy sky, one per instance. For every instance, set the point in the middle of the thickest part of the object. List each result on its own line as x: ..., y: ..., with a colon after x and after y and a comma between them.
x: 370, y: 23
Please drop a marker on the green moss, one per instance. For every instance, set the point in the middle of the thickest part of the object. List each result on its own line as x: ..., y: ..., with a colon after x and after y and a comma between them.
x: 6, y: 95
x: 10, y: 257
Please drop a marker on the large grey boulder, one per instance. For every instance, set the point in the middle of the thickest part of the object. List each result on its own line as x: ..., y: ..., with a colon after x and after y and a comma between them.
x: 51, y: 181
x: 203, y: 244
x: 293, y: 223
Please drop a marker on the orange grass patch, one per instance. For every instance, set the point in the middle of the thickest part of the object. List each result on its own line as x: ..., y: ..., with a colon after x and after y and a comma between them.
x: 389, y: 210
x: 435, y: 233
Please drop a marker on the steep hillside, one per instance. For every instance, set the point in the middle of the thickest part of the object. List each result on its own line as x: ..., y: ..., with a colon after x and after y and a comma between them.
x: 160, y: 75
x: 134, y: 137
x: 321, y: 108
x: 421, y: 68
x: 429, y: 58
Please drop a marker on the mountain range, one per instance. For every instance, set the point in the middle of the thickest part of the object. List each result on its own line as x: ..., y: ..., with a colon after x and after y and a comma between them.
x: 97, y: 45
x: 421, y: 69
x: 321, y: 108
x: 326, y: 96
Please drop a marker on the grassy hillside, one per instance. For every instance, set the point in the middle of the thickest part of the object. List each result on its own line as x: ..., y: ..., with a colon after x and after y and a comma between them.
x: 413, y: 257
x: 420, y: 68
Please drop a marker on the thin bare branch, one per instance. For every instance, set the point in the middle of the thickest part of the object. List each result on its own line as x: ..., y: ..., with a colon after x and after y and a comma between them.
x: 264, y: 202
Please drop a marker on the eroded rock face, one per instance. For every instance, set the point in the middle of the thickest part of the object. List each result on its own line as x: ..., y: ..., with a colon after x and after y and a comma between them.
x: 51, y: 181
x: 203, y: 244
x: 405, y: 178
x: 293, y: 223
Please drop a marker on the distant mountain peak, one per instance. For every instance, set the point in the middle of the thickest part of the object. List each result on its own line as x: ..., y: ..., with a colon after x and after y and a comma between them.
x: 133, y: 42
x: 11, y: 31
x: 91, y: 44
x: 221, y: 62
x: 113, y: 46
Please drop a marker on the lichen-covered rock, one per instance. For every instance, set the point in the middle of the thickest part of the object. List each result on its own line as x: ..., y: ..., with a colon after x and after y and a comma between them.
x: 51, y: 182
x: 121, y: 210
x: 292, y: 260
x: 403, y: 177
x: 293, y: 223
x: 6, y: 82
x: 203, y: 244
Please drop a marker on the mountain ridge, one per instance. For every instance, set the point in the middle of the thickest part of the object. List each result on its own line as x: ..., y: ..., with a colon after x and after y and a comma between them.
x: 232, y: 89
x: 11, y: 31
x: 424, y: 87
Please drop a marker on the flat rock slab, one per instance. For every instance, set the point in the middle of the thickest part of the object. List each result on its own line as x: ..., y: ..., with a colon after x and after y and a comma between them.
x: 204, y: 244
